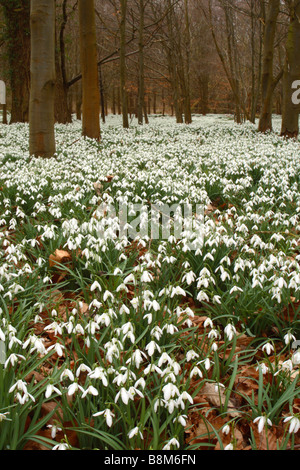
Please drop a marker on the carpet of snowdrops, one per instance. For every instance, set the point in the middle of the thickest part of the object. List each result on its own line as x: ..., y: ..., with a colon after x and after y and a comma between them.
x: 111, y: 342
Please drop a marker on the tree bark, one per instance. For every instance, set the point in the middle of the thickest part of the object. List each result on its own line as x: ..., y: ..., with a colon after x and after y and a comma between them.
x: 17, y: 19
x: 90, y: 85
x: 123, y: 74
x: 141, y: 88
x: 268, y: 84
x: 41, y: 112
x: 62, y: 110
x: 290, y: 111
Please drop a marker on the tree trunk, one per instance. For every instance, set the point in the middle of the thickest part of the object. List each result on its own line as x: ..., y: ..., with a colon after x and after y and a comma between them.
x: 265, y: 121
x: 290, y: 113
x: 41, y: 113
x: 90, y: 85
x: 141, y: 89
x: 17, y: 19
x: 62, y: 112
x: 102, y: 97
x: 123, y: 64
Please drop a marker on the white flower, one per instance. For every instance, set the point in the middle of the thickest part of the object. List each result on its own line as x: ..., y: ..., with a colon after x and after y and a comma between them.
x: 261, y: 422
x: 229, y: 447
x: 294, y: 424
x: 226, y: 429
x: 296, y: 358
x: 151, y: 347
x: 230, y: 331
x: 170, y: 391
x: 51, y: 389
x: 208, y: 322
x: 190, y: 355
x: 73, y: 388
x: 82, y: 368
x: 108, y: 415
x: 67, y: 373
x: 146, y: 277
x: 90, y: 391
x: 289, y: 337
x: 268, y: 348
x: 3, y: 416
x: 96, y: 285
x: 134, y: 432
x: 172, y: 442
x: 54, y: 428
x: 61, y: 446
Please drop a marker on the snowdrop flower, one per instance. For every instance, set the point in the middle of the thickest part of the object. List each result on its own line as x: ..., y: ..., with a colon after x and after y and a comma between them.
x: 189, y: 277
x: 196, y: 371
x: 67, y: 373
x: 58, y: 349
x: 152, y: 368
x: 151, y: 347
x: 13, y: 359
x: 289, y: 337
x: 190, y: 355
x: 74, y: 387
x: 294, y: 424
x: 95, y: 286
x: 208, y: 322
x: 177, y: 291
x: 51, y: 389
x: 226, y: 429
x: 146, y: 277
x: 171, y: 443
x: 207, y: 363
x: 182, y: 419
x: 296, y: 358
x: 61, y: 446
x: 20, y: 385
x: 213, y: 334
x: 137, y: 358
x: 268, y: 348
x: 108, y: 415
x: 170, y: 391
x: 3, y: 416
x: 83, y: 368
x: 54, y: 428
x: 129, y: 278
x: 134, y: 432
x: 99, y: 373
x: 90, y: 391
x: 229, y: 447
x: 230, y: 331
x: 261, y: 422
x: 184, y: 396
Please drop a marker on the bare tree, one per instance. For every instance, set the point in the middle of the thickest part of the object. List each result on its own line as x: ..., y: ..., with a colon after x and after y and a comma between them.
x: 268, y: 81
x: 41, y: 113
x: 290, y: 112
x: 90, y: 85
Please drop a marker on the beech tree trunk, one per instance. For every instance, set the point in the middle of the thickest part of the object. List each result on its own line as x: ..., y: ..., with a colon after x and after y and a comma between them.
x: 90, y: 85
x: 290, y: 111
x: 123, y: 63
x: 62, y: 111
x: 41, y: 109
x: 268, y: 83
x: 141, y: 88
x: 17, y: 21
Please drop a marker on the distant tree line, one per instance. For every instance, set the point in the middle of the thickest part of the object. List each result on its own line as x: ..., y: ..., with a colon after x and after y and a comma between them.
x: 141, y: 57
